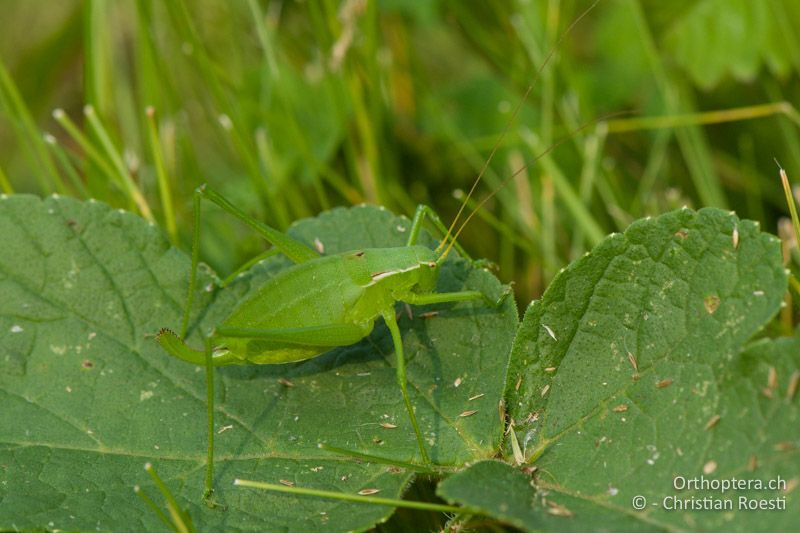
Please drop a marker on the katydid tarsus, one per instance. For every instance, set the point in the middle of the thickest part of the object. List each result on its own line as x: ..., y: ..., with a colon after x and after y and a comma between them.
x: 284, y: 322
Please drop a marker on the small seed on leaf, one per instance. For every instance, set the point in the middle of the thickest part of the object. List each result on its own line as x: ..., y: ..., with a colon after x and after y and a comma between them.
x: 709, y: 467
x: 367, y: 492
x: 712, y: 303
x: 772, y: 378
x: 712, y: 422
x: 558, y: 510
x: 468, y: 413
x: 664, y: 383
x: 634, y: 363
x: 794, y: 381
x: 532, y: 417
x: 621, y: 408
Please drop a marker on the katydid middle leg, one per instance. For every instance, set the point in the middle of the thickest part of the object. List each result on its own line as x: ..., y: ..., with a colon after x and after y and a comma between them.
x: 296, y: 251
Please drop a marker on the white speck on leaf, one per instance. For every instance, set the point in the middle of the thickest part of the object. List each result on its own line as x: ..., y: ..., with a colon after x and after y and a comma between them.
x: 550, y: 332
x: 145, y: 395
x: 16, y: 329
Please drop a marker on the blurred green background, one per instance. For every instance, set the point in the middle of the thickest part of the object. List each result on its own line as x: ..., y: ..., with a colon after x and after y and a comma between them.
x: 290, y: 108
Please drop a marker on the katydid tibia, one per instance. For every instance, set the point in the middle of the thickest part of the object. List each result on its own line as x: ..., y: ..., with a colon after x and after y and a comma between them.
x: 319, y: 303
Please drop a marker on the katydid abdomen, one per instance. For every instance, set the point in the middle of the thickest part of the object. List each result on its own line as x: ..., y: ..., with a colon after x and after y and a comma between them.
x: 312, y: 307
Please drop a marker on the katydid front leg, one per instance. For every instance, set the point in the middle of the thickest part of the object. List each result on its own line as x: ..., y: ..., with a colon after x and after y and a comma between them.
x: 402, y: 377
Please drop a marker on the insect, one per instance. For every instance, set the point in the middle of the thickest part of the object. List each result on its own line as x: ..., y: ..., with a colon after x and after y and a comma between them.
x: 352, y: 290
x: 284, y: 322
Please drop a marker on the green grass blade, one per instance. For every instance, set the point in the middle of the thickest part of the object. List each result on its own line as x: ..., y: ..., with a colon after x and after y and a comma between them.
x: 372, y: 500
x: 164, y: 189
x: 49, y: 178
x: 130, y: 188
x: 5, y: 185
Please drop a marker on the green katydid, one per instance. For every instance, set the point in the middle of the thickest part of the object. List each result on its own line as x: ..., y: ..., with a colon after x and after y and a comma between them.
x: 283, y: 321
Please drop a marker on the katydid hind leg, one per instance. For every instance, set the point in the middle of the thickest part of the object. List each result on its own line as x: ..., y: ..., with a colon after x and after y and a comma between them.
x: 402, y: 380
x: 296, y: 251
x: 209, y: 481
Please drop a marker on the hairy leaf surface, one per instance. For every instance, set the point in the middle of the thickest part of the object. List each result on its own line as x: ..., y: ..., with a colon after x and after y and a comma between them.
x: 630, y: 372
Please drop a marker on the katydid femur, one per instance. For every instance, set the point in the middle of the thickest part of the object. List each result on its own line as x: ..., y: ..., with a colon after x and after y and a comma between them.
x: 351, y: 291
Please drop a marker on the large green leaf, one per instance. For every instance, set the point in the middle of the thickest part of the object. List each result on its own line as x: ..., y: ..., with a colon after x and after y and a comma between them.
x: 88, y: 396
x: 507, y: 494
x: 629, y: 378
x: 630, y: 372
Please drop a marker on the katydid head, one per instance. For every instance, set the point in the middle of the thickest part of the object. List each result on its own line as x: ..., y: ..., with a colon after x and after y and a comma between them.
x: 428, y: 275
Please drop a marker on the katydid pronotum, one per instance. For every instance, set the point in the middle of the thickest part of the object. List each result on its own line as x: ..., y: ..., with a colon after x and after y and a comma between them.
x: 284, y: 322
